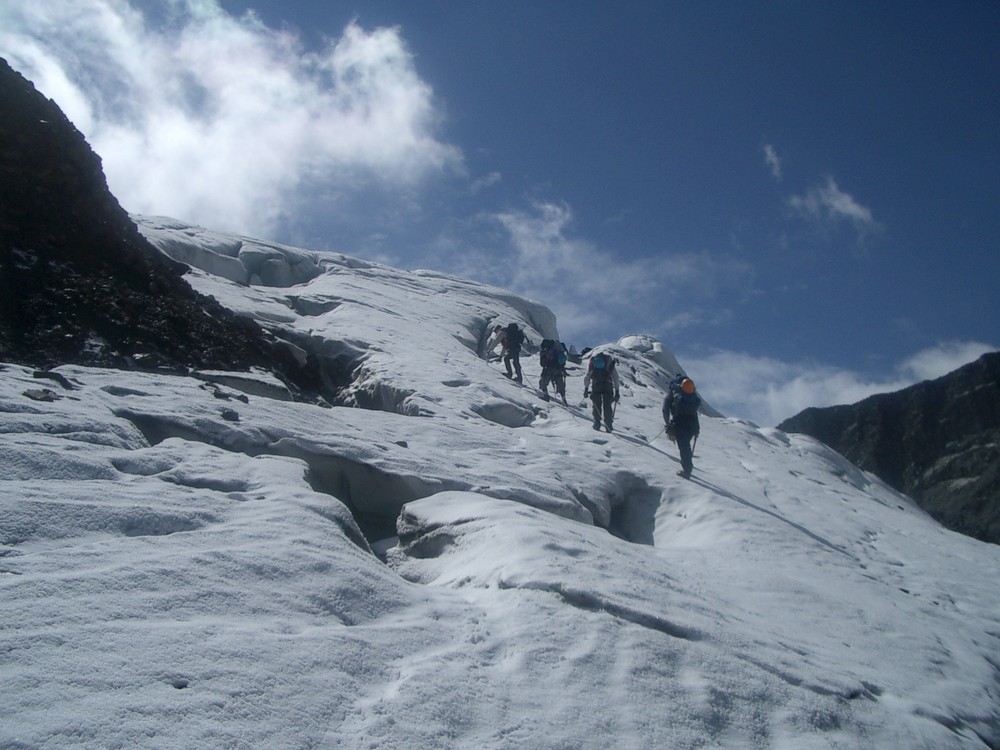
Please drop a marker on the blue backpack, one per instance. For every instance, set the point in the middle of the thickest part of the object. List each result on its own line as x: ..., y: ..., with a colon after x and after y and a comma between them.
x: 601, y: 366
x: 552, y: 354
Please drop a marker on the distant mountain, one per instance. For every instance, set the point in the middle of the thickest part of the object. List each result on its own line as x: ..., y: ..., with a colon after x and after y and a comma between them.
x: 937, y: 441
x: 79, y: 283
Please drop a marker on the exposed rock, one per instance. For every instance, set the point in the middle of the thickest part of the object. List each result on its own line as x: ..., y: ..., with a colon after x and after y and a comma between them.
x: 80, y: 284
x: 937, y: 441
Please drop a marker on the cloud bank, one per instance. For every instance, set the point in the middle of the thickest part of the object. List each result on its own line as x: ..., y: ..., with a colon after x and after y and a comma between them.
x: 596, y: 295
x: 221, y: 120
x: 767, y: 391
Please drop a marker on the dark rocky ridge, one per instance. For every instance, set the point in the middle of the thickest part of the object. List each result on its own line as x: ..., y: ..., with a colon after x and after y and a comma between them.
x: 937, y: 441
x: 78, y: 282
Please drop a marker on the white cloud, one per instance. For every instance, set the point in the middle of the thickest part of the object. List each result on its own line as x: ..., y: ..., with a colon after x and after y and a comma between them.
x: 221, y: 120
x: 597, y: 295
x: 827, y: 203
x: 941, y: 359
x: 772, y: 160
x: 681, y: 320
x: 484, y: 182
x: 767, y: 391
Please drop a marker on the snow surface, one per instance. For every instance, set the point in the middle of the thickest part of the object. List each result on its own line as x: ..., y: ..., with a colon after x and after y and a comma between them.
x: 200, y: 562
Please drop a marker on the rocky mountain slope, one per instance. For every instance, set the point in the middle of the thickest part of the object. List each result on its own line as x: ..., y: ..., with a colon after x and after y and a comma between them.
x: 937, y: 441
x: 78, y: 283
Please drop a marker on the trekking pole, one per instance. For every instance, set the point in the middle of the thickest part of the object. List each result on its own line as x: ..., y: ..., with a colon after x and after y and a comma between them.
x: 658, y: 434
x: 694, y: 444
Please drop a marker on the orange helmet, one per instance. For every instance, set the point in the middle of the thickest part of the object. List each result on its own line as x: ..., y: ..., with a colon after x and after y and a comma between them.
x: 687, y: 385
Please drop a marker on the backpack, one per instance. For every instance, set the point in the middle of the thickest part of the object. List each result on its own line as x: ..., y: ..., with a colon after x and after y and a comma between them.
x: 685, y: 404
x: 515, y: 336
x: 552, y: 354
x: 601, y: 366
x: 545, y: 353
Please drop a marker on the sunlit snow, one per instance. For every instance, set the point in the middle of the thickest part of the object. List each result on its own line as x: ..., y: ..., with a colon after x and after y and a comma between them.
x: 200, y: 562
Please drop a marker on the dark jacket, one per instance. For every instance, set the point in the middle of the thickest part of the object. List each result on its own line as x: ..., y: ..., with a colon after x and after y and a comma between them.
x: 681, y: 410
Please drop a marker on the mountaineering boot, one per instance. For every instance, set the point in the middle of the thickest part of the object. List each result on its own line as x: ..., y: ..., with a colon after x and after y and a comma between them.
x: 545, y: 396
x: 609, y: 428
x: 597, y: 425
x: 684, y: 474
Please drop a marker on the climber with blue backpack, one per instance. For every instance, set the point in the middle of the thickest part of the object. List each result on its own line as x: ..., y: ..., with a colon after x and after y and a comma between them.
x: 602, y: 385
x: 680, y: 415
x: 552, y: 357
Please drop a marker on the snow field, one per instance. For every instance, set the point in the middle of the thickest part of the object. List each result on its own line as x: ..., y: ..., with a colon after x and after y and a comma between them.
x: 174, y: 577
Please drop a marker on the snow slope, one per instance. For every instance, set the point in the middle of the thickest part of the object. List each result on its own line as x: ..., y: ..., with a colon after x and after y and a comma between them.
x: 188, y: 561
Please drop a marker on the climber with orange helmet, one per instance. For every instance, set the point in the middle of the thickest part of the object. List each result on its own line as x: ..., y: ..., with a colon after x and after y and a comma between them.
x: 680, y: 415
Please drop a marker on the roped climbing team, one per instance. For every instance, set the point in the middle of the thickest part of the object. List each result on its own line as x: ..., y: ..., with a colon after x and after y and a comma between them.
x: 601, y: 383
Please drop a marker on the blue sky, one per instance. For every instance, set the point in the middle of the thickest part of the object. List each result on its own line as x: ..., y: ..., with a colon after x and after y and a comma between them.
x: 800, y: 199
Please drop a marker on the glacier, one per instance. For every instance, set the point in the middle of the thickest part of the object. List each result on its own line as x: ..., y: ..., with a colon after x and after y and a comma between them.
x: 432, y: 557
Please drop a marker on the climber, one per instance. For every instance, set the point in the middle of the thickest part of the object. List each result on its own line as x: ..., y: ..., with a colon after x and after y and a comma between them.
x: 601, y: 384
x: 552, y: 357
x: 680, y: 415
x: 511, y: 338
